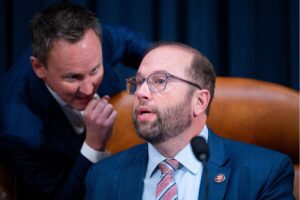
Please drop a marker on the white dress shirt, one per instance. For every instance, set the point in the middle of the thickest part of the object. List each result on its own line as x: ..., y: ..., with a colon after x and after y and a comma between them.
x: 187, y: 177
x: 76, y: 119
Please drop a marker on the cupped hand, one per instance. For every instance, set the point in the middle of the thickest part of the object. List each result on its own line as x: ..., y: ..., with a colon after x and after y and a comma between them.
x: 99, y: 118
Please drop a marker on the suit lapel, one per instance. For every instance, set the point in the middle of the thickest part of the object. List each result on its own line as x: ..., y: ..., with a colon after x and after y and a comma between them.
x: 59, y: 127
x: 218, y: 174
x: 132, y: 175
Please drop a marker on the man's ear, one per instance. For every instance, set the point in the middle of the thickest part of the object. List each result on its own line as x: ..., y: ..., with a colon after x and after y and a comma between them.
x: 38, y: 67
x: 200, y: 101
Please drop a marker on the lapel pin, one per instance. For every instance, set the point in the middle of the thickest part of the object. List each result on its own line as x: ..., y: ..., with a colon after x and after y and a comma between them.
x: 219, y: 178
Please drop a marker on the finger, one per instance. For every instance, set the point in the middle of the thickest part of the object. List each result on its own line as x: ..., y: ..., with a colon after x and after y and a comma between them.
x: 103, y: 113
x: 107, y: 110
x: 97, y: 111
x: 113, y: 115
x: 91, y: 106
x: 111, y: 119
x: 106, y: 97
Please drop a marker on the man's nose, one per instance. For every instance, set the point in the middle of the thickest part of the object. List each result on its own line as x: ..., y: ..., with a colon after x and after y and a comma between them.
x: 143, y: 91
x: 86, y: 87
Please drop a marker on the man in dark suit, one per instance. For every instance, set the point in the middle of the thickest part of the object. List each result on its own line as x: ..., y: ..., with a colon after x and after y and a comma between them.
x: 54, y: 121
x: 173, y: 89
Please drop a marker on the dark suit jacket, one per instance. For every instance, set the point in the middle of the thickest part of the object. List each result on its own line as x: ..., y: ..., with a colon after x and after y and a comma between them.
x: 250, y: 173
x: 36, y: 139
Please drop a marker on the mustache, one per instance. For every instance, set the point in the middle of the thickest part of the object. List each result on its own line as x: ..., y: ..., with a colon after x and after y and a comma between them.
x: 142, y: 103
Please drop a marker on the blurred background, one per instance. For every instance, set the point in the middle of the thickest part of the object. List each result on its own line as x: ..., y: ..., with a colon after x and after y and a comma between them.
x: 242, y: 38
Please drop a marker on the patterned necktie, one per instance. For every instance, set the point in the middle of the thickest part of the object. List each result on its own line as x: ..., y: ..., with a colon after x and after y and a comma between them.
x: 166, y: 188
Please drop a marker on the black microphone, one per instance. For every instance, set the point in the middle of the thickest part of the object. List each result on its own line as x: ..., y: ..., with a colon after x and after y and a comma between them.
x: 201, y: 152
x: 200, y: 148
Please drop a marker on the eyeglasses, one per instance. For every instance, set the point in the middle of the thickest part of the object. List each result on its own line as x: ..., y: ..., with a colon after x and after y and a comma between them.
x: 156, y: 82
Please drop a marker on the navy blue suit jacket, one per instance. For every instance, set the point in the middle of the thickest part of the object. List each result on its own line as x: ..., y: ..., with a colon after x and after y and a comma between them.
x: 250, y: 173
x: 36, y: 139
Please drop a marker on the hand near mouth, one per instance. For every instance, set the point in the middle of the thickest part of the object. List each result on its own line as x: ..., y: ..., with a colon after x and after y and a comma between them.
x: 99, y: 118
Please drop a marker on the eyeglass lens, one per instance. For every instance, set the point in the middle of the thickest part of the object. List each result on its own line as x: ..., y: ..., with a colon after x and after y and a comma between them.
x: 155, y: 82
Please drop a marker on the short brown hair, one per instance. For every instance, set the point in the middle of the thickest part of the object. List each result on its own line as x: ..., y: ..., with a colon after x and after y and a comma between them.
x: 60, y: 21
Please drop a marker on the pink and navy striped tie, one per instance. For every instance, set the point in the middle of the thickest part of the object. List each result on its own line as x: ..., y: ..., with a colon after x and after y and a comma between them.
x: 166, y: 188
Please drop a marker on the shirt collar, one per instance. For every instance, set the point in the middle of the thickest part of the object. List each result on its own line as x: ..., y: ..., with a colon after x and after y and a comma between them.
x: 185, y: 157
x: 56, y: 97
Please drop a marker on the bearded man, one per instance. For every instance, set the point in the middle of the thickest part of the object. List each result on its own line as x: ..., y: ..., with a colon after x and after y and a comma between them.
x: 173, y: 90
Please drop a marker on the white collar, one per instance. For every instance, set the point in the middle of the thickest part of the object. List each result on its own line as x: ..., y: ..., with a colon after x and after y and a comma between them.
x: 185, y: 157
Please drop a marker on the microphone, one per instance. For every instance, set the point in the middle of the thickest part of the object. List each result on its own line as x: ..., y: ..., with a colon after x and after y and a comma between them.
x: 200, y: 148
x: 201, y: 152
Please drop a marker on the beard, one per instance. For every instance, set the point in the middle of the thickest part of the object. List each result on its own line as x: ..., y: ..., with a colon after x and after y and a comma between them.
x: 170, y: 122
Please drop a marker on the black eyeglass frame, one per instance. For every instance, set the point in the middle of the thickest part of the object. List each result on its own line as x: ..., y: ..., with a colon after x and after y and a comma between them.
x: 167, y: 75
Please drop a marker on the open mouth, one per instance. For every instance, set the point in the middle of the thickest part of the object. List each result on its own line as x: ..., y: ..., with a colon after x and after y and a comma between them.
x: 84, y: 99
x: 81, y: 102
x: 145, y: 114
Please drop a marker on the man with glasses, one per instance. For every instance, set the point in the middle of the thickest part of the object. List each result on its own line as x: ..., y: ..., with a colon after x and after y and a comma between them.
x: 173, y: 90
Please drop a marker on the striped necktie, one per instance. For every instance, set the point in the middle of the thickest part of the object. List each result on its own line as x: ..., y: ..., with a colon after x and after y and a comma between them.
x: 166, y: 188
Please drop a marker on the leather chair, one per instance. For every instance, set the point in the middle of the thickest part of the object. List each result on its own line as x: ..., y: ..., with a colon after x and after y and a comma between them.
x: 247, y: 110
